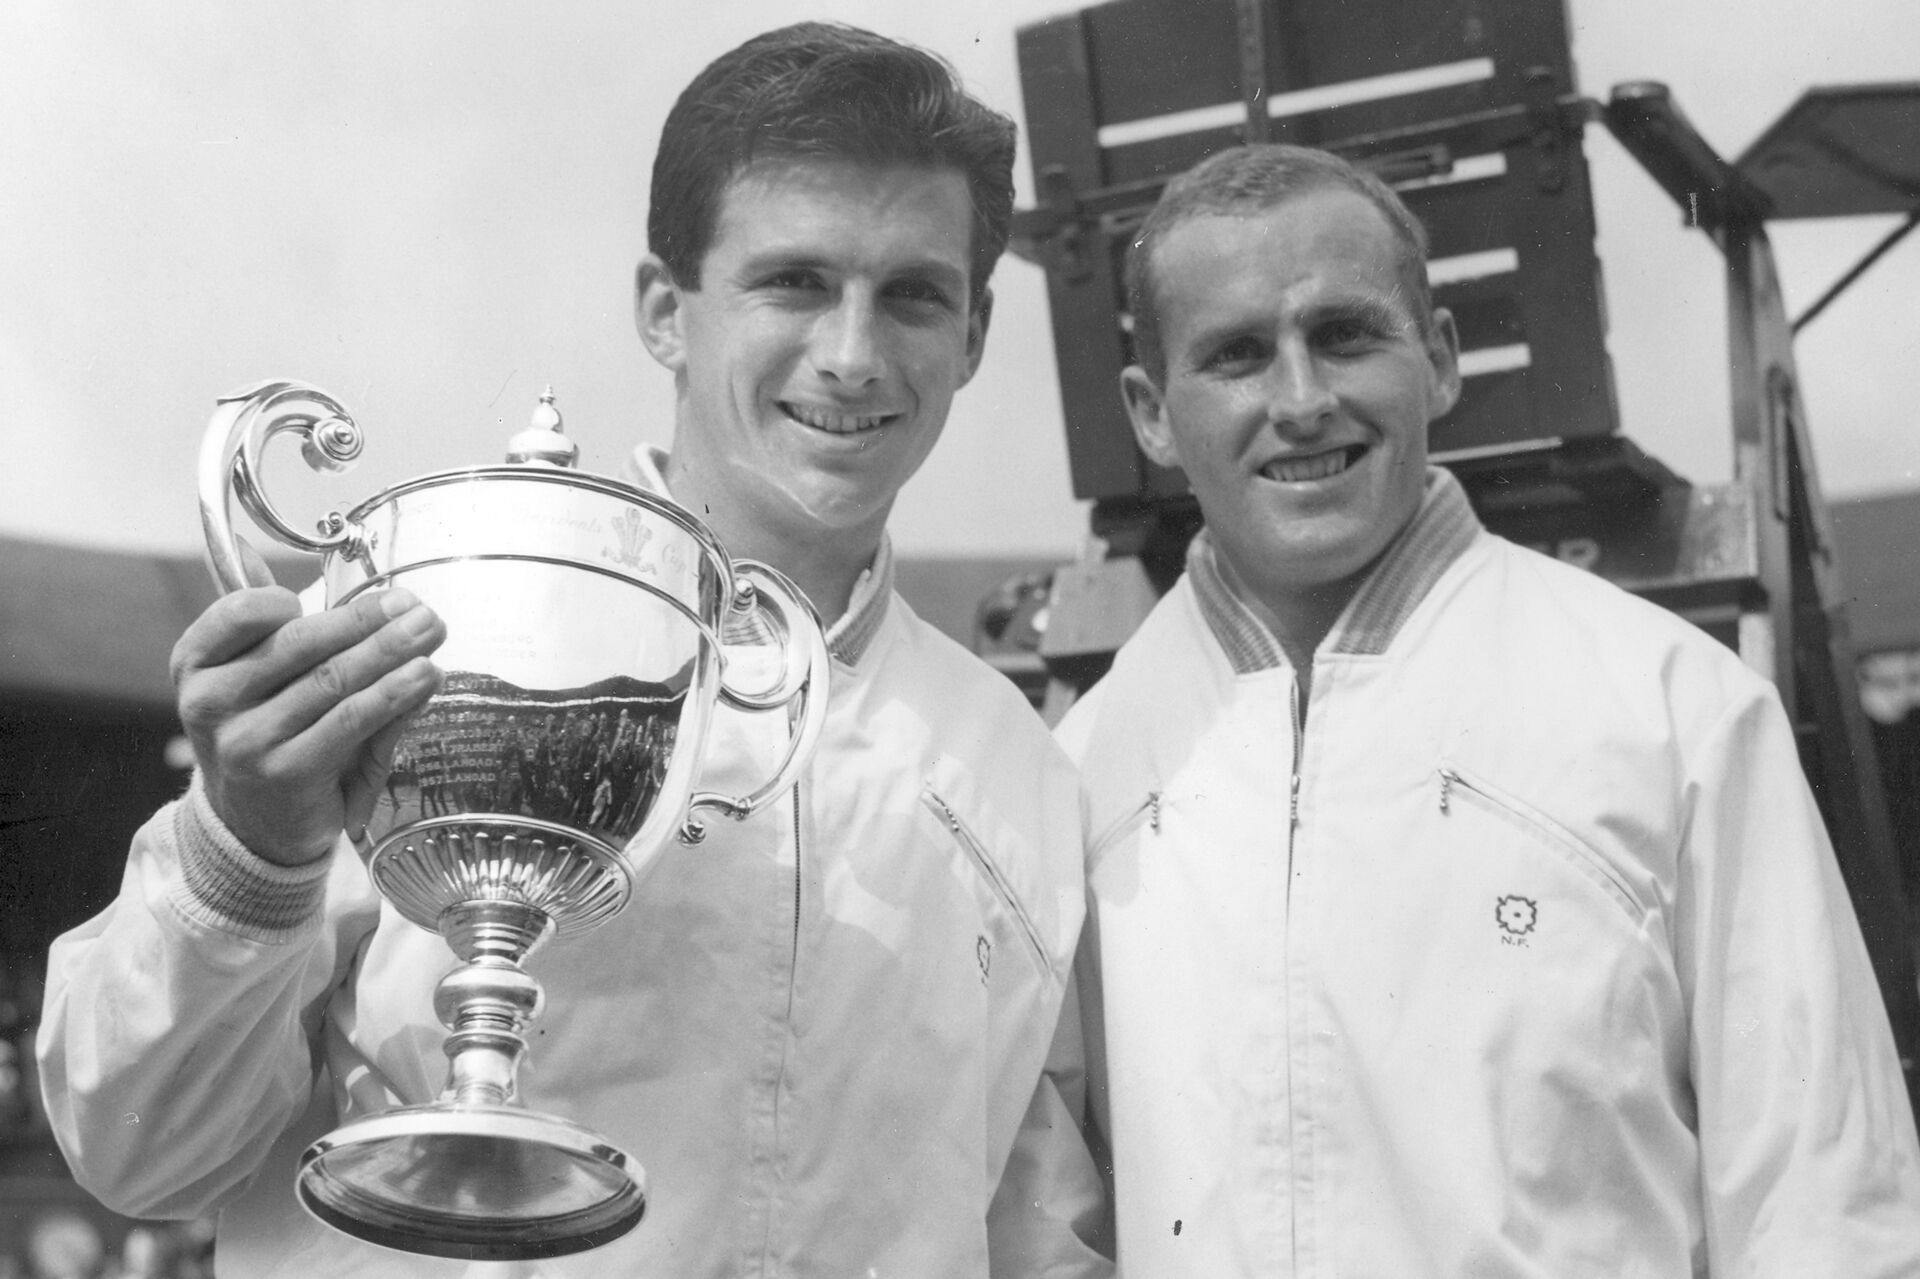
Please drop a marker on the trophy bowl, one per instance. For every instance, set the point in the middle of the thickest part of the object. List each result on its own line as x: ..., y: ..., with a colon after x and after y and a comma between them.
x: 583, y: 663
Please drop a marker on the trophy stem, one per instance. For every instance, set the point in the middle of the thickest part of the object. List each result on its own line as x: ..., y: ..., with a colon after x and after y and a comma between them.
x: 475, y: 1175
x: 489, y: 999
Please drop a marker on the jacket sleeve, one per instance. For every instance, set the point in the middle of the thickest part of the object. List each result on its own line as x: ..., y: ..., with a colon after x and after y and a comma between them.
x: 1049, y: 1218
x: 177, y: 1038
x: 1809, y: 1159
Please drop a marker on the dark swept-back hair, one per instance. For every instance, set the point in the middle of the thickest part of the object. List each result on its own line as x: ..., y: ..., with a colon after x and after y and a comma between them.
x: 1247, y: 180
x: 819, y: 90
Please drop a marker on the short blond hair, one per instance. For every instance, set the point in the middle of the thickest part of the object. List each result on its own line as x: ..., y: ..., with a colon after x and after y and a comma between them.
x: 1249, y: 179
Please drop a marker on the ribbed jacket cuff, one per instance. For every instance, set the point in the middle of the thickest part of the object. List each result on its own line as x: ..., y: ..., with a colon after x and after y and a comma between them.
x: 226, y: 886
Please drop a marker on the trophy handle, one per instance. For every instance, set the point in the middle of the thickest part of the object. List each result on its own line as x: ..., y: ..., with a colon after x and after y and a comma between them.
x: 230, y: 464
x: 802, y: 686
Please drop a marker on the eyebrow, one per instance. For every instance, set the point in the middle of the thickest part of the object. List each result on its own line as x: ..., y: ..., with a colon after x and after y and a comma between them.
x: 1369, y: 311
x: 1374, y: 313
x: 933, y: 270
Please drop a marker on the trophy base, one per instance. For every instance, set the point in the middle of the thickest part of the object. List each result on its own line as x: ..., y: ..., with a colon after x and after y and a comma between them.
x: 481, y: 1183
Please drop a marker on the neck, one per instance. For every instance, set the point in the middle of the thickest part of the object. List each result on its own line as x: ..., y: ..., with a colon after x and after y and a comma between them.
x: 823, y: 563
x: 1300, y: 618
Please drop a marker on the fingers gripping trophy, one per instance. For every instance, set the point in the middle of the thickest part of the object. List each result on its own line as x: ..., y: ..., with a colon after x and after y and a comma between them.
x: 583, y: 664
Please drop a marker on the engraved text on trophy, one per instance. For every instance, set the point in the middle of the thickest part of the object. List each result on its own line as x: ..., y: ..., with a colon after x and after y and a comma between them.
x: 594, y: 758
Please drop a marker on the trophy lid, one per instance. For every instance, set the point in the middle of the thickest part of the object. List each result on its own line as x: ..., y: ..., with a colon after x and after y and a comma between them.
x: 543, y: 443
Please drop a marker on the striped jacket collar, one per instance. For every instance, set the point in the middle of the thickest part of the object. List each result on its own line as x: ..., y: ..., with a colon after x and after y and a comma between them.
x: 852, y: 634
x: 1437, y: 535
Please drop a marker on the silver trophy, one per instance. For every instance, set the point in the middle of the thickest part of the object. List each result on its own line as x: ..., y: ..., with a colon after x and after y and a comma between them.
x: 583, y: 662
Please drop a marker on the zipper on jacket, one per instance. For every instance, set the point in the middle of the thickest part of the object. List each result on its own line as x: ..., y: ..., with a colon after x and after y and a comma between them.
x: 988, y: 868
x: 1148, y: 808
x: 795, y: 966
x: 1293, y: 782
x: 1451, y: 779
x: 1288, y: 1017
x: 778, y: 1141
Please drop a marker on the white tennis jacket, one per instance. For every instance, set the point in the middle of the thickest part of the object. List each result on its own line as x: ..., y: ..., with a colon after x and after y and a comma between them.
x: 819, y: 1031
x: 1520, y: 951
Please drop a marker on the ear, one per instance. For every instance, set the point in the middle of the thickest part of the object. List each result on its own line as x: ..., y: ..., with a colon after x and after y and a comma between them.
x: 1443, y: 350
x: 978, y: 317
x: 1147, y: 410
x: 657, y: 313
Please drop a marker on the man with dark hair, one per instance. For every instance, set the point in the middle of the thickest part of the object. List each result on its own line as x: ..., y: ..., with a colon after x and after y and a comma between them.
x: 822, y: 1030
x: 780, y: 96
x: 1451, y: 912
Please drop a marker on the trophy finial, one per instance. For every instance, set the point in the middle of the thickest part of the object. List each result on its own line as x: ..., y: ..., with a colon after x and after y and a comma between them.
x: 543, y: 443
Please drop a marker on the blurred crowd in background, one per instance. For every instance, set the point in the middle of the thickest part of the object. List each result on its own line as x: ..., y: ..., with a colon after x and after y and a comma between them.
x: 64, y: 1243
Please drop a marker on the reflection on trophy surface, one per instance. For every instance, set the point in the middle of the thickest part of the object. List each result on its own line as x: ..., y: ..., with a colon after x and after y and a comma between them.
x: 582, y: 665
x: 590, y: 757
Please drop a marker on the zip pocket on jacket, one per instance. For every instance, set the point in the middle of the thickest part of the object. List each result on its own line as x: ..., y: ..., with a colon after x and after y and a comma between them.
x: 991, y: 871
x: 1147, y: 810
x: 1454, y: 784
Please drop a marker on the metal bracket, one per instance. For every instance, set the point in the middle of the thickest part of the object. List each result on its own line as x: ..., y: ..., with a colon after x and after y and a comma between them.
x: 1249, y: 17
x: 1549, y: 128
x: 1053, y: 234
x: 1857, y: 270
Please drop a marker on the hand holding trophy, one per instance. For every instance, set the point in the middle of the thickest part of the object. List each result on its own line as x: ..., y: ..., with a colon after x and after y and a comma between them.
x: 583, y: 663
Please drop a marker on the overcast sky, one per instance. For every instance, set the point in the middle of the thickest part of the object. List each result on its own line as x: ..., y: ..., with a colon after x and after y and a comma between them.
x: 432, y: 210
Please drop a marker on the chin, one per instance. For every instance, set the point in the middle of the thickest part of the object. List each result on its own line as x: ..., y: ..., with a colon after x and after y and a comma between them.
x: 1316, y: 564
x: 834, y: 512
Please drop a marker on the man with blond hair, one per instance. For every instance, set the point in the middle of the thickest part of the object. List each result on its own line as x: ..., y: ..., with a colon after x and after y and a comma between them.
x: 1452, y: 912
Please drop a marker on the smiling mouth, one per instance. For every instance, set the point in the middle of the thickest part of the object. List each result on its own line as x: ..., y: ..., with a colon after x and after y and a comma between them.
x: 832, y: 422
x: 1295, y: 470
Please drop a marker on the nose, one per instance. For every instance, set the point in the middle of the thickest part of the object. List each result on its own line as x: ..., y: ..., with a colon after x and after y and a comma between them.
x: 1300, y: 398
x: 847, y: 343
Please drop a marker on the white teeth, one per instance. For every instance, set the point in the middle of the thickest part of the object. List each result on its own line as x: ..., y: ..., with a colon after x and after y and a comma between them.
x: 837, y: 423
x: 1296, y: 470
